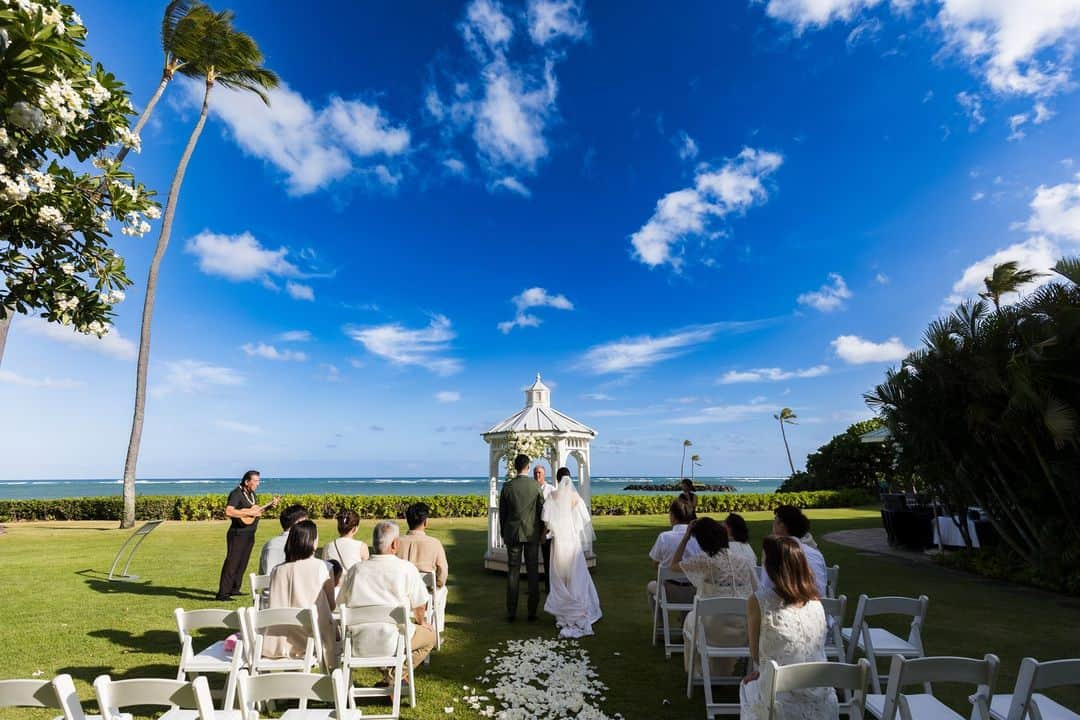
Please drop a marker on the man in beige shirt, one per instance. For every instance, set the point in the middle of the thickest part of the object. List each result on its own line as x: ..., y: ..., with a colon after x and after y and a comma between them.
x: 426, y: 553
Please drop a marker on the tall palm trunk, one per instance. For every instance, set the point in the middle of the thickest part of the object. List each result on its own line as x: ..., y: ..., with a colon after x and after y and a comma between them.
x: 682, y: 464
x: 142, y: 366
x: 788, y: 449
x: 166, y: 76
x: 5, y: 323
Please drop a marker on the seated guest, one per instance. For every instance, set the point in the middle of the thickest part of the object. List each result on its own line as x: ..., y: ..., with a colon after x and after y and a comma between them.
x: 302, y: 581
x: 680, y: 514
x: 273, y: 552
x: 336, y: 571
x: 386, y: 579
x: 689, y: 495
x: 789, y: 521
x: 716, y: 572
x: 426, y: 553
x: 787, y: 625
x: 346, y: 549
x: 739, y: 537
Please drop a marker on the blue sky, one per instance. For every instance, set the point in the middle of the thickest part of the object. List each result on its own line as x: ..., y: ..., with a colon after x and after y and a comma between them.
x: 686, y: 220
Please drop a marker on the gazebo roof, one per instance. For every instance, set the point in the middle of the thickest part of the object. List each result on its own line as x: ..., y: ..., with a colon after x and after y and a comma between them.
x: 539, y: 417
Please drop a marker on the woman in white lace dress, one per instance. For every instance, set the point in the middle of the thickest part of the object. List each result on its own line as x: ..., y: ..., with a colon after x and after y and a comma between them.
x: 716, y: 572
x: 572, y: 598
x: 787, y: 625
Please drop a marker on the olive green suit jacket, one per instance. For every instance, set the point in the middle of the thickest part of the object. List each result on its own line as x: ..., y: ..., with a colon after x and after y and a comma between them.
x: 520, y: 506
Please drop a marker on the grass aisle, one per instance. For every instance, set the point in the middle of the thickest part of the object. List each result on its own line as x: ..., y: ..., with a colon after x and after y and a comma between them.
x: 60, y: 615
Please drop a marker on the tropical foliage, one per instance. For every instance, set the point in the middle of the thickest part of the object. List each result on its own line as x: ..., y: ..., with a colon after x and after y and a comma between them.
x: 58, y: 110
x: 847, y: 462
x: 986, y: 412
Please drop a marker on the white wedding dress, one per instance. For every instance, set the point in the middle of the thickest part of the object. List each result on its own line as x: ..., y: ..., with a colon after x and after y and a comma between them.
x: 572, y: 599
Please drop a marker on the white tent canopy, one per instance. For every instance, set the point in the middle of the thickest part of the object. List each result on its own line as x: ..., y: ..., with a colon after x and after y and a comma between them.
x: 567, y: 438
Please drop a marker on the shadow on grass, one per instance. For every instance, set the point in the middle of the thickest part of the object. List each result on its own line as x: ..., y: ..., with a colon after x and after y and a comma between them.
x: 151, y: 641
x: 99, y: 582
x: 88, y: 673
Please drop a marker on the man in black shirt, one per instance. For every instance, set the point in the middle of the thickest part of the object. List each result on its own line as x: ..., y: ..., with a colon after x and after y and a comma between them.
x: 243, y: 514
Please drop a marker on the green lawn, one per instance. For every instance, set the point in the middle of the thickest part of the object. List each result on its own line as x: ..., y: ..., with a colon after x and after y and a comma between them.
x: 60, y: 615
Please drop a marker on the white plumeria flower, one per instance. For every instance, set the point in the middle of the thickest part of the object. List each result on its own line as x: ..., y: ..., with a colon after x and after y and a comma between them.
x: 48, y: 215
x: 67, y: 268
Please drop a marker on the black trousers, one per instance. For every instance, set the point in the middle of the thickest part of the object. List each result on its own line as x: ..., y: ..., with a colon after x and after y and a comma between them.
x: 514, y: 551
x: 545, y: 551
x: 239, y: 544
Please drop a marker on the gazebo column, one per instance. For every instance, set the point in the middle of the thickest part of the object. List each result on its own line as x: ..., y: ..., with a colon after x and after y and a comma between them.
x: 583, y: 479
x: 494, y: 536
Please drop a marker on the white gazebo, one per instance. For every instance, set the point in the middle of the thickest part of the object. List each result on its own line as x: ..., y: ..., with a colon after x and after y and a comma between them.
x: 567, y: 438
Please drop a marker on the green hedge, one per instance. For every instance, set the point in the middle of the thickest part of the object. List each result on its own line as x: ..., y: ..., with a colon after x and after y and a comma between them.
x: 207, y: 507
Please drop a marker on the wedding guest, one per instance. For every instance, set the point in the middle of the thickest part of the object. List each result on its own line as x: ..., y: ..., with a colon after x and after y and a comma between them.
x: 789, y: 521
x: 426, y: 553
x: 301, y: 581
x: 680, y: 515
x: 689, y: 495
x: 336, y: 571
x: 386, y: 579
x: 787, y: 625
x: 739, y: 537
x: 716, y: 572
x: 273, y: 551
x: 346, y: 549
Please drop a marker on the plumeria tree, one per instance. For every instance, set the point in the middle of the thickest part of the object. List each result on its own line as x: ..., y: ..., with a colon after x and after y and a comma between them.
x: 60, y: 116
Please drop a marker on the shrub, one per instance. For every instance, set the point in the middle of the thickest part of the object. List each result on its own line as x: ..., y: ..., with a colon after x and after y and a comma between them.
x: 207, y: 507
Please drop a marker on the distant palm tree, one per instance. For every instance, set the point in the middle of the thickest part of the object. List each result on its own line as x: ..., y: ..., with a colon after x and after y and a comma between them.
x: 694, y: 462
x: 682, y: 464
x: 786, y: 417
x: 226, y: 57
x: 1005, y: 278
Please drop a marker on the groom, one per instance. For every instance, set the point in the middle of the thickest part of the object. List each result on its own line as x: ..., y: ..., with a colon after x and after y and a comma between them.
x: 520, y: 506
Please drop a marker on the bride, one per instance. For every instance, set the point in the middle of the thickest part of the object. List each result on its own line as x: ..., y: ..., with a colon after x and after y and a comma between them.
x: 572, y: 598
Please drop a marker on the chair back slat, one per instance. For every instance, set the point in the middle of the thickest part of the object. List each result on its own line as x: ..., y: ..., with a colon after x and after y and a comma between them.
x: 832, y: 580
x: 912, y: 607
x: 1055, y: 673
x: 705, y: 607
x: 28, y: 693
x: 949, y: 669
x: 144, y: 691
x: 188, y: 620
x: 286, y: 686
x: 280, y: 617
x: 664, y: 573
x: 373, y: 614
x: 835, y: 607
x: 67, y: 697
x: 821, y: 674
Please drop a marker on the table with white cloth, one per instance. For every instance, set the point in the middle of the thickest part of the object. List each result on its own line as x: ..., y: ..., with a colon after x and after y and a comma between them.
x: 947, y: 532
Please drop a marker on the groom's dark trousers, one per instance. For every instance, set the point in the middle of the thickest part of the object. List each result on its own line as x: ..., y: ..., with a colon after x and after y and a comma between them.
x: 514, y: 551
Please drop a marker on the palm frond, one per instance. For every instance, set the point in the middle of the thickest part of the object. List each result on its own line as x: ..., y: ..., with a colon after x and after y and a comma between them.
x: 1069, y: 268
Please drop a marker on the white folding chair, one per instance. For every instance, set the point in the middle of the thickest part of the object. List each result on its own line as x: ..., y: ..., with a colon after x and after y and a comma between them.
x: 832, y: 580
x: 260, y: 590
x: 924, y: 671
x: 700, y: 651
x: 356, y: 619
x: 255, y: 690
x: 1024, y: 703
x: 852, y: 679
x: 215, y: 658
x: 879, y: 642
x: 58, y: 693
x: 834, y: 617
x: 663, y: 608
x: 185, y: 700
x: 258, y: 622
x: 433, y: 615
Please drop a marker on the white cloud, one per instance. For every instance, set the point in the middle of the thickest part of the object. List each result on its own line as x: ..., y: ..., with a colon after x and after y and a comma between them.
x: 1015, y: 123
x: 1056, y: 211
x: 239, y: 257
x: 299, y: 291
x: 188, y: 376
x: 636, y: 353
x: 238, y: 427
x: 977, y: 196
x: 295, y: 336
x: 512, y: 115
x: 330, y: 372
x: 455, y: 166
x: 1036, y: 253
x: 448, y: 396
x: 1042, y: 113
x: 551, y: 20
x: 771, y: 374
x: 722, y: 414
x: 511, y: 184
x: 688, y: 149
x: 113, y: 344
x: 312, y: 147
x: 972, y: 105
x: 597, y: 396
x: 866, y: 31
x: 733, y: 188
x: 424, y: 347
x: 881, y: 279
x: 272, y: 353
x: 858, y: 351
x: 828, y: 297
x: 533, y: 298
x: 48, y: 383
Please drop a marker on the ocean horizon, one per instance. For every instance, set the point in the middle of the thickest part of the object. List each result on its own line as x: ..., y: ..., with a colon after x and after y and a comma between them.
x: 45, y: 489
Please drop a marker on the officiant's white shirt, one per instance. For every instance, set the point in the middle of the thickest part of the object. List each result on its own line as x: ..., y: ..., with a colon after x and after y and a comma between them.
x: 382, y: 580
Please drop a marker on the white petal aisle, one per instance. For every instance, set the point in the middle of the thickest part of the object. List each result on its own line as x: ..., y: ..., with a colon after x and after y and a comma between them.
x: 538, y: 678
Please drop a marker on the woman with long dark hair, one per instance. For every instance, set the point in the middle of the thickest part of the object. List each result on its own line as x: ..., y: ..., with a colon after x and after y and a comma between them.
x: 787, y: 624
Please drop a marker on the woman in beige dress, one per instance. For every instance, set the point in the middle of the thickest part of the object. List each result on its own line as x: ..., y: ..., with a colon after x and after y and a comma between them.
x: 301, y: 581
x: 716, y: 572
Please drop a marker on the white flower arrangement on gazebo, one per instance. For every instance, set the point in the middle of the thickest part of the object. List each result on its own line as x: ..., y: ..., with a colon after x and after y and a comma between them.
x: 541, y: 432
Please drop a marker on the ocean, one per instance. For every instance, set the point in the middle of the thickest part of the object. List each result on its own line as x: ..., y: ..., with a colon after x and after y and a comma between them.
x: 45, y: 489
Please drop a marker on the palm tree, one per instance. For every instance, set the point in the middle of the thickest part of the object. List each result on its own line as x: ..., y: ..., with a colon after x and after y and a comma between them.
x: 786, y: 416
x: 682, y: 464
x: 1005, y: 278
x: 227, y: 57
x: 694, y: 462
